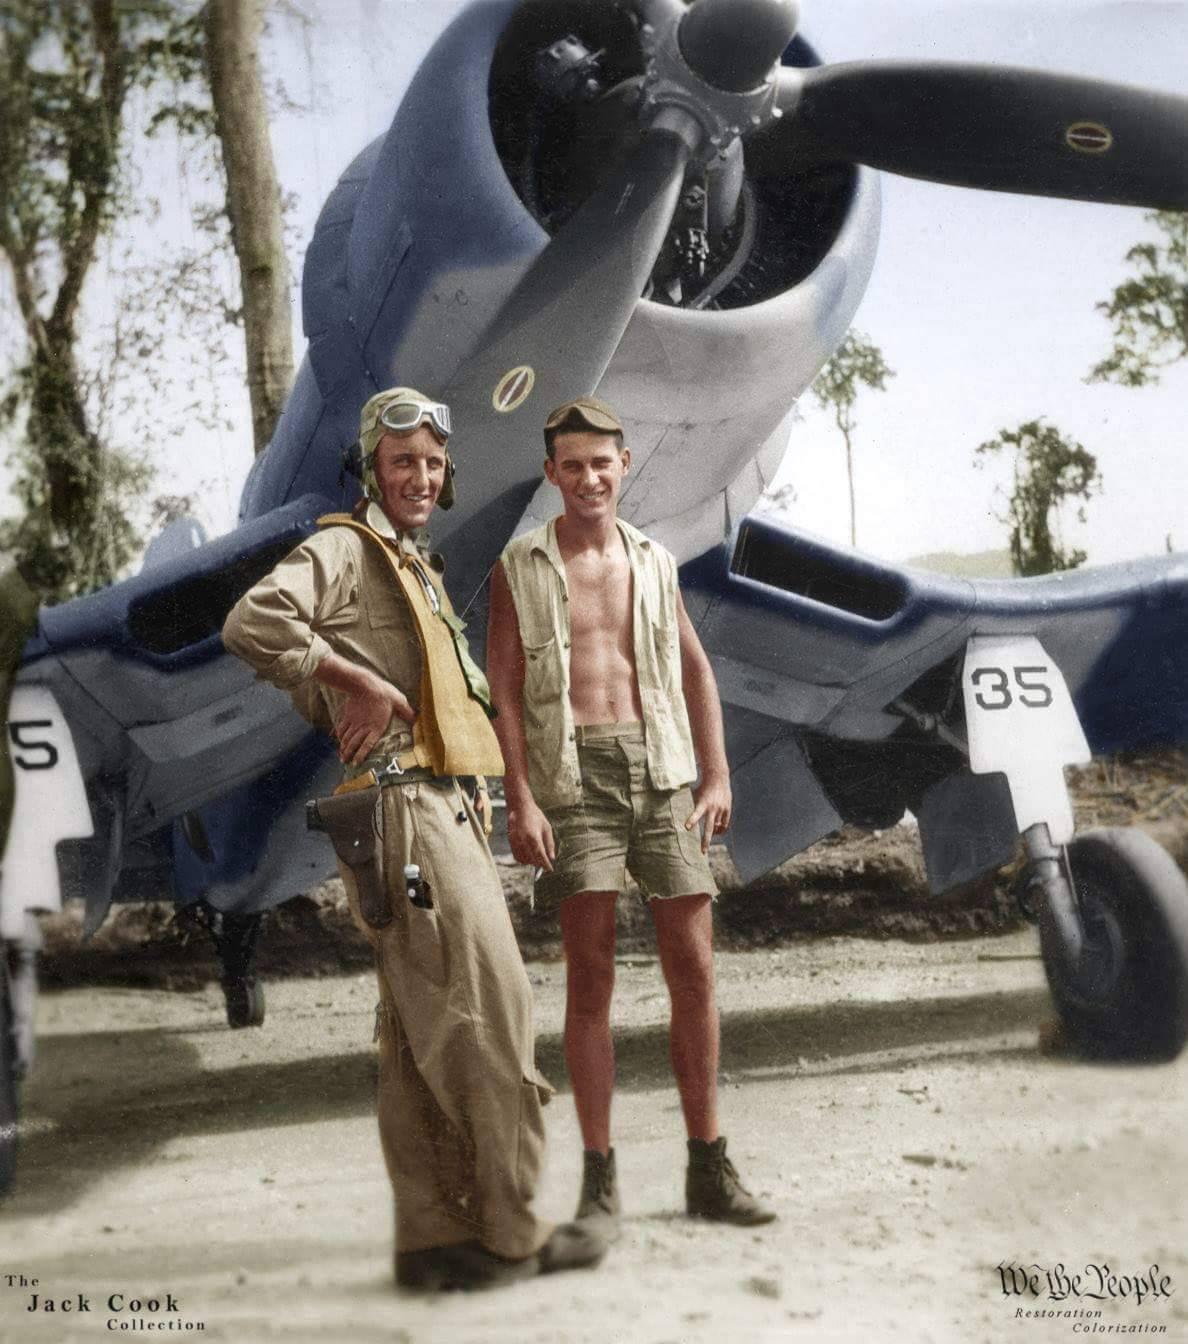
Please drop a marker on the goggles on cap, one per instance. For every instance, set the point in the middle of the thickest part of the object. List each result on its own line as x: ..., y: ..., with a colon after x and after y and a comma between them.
x: 404, y: 416
x: 596, y: 415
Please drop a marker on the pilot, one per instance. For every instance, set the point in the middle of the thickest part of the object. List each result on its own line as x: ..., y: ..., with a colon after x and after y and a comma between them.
x: 356, y: 624
x: 607, y: 709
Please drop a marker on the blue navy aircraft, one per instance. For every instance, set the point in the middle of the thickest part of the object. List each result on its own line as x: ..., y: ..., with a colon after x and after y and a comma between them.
x: 675, y: 206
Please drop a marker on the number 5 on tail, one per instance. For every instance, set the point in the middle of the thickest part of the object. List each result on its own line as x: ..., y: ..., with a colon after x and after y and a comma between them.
x: 51, y: 805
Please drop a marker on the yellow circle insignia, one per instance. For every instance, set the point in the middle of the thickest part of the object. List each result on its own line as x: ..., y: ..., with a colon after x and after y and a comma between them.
x: 1088, y: 137
x: 513, y: 389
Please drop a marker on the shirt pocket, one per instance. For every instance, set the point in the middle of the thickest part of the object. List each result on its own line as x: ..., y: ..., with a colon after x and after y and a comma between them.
x: 542, y: 674
x: 386, y: 608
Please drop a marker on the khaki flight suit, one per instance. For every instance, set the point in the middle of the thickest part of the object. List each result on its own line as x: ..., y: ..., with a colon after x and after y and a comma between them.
x: 459, y: 1096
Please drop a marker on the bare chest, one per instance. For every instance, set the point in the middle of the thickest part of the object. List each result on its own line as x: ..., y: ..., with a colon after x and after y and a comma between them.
x: 600, y: 600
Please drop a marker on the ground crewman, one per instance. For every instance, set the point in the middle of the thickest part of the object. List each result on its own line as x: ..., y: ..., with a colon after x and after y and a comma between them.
x: 607, y: 707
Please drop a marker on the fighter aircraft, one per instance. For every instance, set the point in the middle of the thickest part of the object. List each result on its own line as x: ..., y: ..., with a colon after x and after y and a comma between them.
x: 675, y: 206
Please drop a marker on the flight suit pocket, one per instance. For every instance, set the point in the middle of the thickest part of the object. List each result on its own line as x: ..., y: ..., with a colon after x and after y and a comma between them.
x: 426, y: 947
x: 530, y: 1138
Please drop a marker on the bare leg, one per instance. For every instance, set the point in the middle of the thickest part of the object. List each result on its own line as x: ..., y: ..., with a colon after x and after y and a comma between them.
x: 684, y: 939
x: 588, y: 933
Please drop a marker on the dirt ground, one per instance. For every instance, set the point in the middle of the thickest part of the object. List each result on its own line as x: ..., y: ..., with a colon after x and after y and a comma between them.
x: 889, y: 1096
x: 889, y: 1099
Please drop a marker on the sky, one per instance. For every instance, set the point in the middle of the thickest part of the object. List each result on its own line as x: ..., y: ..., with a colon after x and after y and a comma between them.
x: 982, y: 303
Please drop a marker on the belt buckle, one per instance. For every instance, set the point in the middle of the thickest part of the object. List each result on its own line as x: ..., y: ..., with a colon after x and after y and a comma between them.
x: 390, y: 773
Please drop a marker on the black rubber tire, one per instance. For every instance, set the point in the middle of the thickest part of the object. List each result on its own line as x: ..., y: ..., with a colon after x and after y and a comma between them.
x: 9, y: 1087
x: 245, y: 1002
x: 1128, y: 998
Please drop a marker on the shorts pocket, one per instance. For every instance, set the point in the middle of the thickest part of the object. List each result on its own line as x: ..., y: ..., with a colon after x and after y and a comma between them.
x: 688, y: 841
x: 571, y: 836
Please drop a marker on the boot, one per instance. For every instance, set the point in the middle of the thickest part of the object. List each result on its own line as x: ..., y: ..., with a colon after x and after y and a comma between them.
x: 713, y: 1190
x: 469, y: 1267
x: 598, y: 1205
x: 465, y: 1267
x: 571, y: 1246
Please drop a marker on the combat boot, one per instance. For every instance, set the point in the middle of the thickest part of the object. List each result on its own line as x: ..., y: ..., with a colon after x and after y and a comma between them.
x: 571, y: 1246
x: 464, y: 1267
x: 713, y: 1190
x: 598, y: 1205
x: 469, y: 1267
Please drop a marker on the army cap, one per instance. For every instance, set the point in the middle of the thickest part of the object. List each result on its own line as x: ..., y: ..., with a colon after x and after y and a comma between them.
x: 372, y: 429
x: 587, y: 412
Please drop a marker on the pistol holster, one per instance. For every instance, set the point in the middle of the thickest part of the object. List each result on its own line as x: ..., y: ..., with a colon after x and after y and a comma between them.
x: 355, y: 824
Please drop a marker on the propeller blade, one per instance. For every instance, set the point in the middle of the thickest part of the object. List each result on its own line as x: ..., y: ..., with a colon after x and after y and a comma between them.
x: 557, y: 332
x: 997, y: 128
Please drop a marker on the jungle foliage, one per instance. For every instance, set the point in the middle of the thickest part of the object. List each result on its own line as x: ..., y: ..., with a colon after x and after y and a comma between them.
x: 1049, y: 470
x: 89, y: 91
x: 1149, y: 311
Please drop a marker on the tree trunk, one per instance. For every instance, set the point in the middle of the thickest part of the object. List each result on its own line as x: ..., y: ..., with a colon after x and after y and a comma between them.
x: 65, y: 523
x: 253, y: 202
x: 846, y: 424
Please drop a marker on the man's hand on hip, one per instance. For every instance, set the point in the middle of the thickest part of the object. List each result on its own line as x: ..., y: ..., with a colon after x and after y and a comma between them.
x: 365, y: 717
x: 713, y: 802
x: 530, y: 834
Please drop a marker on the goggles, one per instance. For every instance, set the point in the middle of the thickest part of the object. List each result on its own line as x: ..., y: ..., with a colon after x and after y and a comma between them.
x: 403, y: 417
x: 586, y: 410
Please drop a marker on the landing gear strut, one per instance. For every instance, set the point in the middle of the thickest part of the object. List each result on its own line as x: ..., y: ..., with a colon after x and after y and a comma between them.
x: 235, y: 939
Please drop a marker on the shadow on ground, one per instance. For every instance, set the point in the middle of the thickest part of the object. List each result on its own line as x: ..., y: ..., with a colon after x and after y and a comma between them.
x: 100, y: 1102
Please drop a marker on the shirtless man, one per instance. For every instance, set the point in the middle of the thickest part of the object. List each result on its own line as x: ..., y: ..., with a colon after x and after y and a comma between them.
x: 607, y: 706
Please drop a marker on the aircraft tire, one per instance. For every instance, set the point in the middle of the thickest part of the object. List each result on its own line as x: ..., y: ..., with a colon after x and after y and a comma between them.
x: 245, y: 1002
x: 8, y: 1082
x: 1129, y: 997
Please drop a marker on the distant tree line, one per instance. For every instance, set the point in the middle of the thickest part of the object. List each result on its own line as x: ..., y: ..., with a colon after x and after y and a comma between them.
x: 1148, y: 313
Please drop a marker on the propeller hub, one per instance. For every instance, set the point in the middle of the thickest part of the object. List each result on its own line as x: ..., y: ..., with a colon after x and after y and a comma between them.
x: 733, y: 44
x: 687, y: 84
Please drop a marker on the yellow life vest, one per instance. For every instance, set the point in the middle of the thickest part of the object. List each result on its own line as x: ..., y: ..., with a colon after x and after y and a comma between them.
x: 452, y: 734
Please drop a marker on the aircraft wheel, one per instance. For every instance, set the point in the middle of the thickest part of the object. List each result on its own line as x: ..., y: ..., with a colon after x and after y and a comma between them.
x: 245, y: 1002
x: 8, y: 1081
x: 1128, y: 995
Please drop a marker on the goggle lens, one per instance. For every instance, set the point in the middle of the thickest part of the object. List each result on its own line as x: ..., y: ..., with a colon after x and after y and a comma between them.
x: 403, y: 416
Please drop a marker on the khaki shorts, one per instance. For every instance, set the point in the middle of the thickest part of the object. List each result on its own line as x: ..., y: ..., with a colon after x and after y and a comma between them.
x: 623, y: 825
